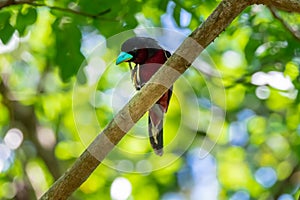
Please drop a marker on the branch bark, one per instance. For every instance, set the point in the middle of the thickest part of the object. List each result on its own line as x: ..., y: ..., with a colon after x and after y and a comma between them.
x: 35, y: 4
x: 295, y: 33
x: 286, y: 5
x: 177, y: 64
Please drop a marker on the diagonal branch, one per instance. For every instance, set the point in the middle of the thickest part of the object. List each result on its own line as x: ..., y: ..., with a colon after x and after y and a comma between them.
x: 32, y: 3
x: 190, y: 10
x: 295, y: 33
x: 286, y: 5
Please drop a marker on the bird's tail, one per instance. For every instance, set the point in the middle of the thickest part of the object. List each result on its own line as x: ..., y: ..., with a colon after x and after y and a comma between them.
x: 155, y: 128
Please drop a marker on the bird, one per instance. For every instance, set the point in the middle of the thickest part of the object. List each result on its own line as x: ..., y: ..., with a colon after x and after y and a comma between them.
x: 145, y: 56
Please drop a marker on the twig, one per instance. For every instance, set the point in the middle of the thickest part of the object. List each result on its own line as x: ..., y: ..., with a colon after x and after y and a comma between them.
x: 190, y: 10
x: 285, y: 5
x: 295, y: 33
x: 32, y: 3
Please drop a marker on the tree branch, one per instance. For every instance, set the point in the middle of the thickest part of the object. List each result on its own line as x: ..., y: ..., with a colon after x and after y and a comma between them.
x: 32, y: 3
x: 286, y: 5
x: 178, y: 63
x: 295, y: 33
x: 190, y: 10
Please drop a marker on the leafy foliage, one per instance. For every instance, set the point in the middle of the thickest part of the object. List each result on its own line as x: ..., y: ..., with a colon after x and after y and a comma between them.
x: 43, y: 50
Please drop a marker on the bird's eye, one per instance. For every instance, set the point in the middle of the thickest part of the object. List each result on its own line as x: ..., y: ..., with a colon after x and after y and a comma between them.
x: 133, y: 52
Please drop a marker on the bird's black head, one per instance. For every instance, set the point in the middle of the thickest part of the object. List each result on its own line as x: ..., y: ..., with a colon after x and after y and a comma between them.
x: 136, y: 43
x: 137, y: 49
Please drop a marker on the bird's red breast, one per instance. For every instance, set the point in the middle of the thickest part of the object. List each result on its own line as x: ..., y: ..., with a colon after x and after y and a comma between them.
x: 151, y: 65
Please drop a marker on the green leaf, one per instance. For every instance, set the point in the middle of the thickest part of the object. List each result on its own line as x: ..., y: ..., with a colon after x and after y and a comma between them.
x: 26, y: 17
x: 176, y: 14
x: 131, y: 22
x: 121, y: 17
x: 68, y: 42
x: 6, y: 33
x: 4, y: 16
x: 6, y: 29
x: 98, y: 6
x: 163, y: 4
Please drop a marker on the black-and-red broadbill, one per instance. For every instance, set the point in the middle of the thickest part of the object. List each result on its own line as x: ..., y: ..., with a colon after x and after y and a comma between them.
x: 145, y: 57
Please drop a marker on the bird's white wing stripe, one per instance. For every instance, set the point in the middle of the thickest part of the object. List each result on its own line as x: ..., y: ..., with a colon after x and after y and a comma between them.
x: 138, y: 75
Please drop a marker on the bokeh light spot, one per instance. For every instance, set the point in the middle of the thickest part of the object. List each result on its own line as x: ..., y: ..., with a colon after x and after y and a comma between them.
x: 120, y: 189
x: 5, y: 154
x: 232, y: 59
x: 125, y: 165
x: 285, y: 197
x: 173, y: 196
x: 46, y: 137
x: 274, y: 79
x: 238, y: 134
x: 13, y: 138
x: 266, y: 176
x: 144, y: 166
x: 8, y: 190
x: 240, y: 195
x: 262, y: 92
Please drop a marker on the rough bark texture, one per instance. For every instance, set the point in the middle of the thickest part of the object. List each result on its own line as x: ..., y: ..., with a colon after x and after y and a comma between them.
x: 151, y: 92
x: 65, y: 10
x: 286, y: 5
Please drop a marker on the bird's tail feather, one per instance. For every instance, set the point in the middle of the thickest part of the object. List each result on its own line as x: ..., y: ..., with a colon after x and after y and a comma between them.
x: 155, y: 128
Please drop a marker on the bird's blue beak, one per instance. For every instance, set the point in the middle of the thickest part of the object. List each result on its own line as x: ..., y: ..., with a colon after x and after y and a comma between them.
x: 123, y: 57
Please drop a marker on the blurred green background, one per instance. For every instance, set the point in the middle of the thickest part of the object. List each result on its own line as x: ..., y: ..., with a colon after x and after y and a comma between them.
x: 45, y: 52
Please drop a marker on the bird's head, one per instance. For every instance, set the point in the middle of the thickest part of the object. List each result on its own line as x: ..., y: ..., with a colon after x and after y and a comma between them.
x: 137, y: 50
